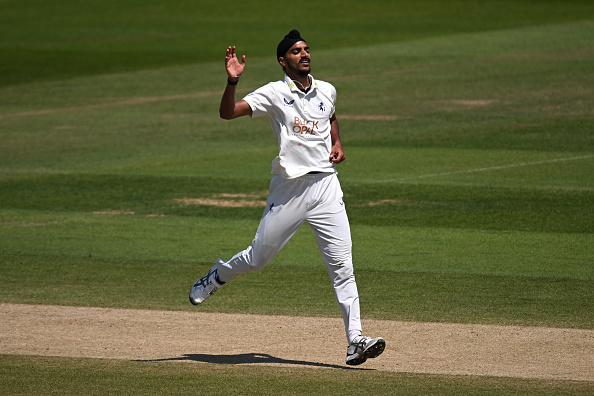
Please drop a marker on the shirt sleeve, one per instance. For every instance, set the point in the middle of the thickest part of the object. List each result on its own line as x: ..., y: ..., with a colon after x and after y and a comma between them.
x: 261, y: 100
x: 333, y: 98
x: 334, y: 95
x: 330, y: 93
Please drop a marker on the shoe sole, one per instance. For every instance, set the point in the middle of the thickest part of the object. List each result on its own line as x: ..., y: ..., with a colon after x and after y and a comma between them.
x: 372, y: 352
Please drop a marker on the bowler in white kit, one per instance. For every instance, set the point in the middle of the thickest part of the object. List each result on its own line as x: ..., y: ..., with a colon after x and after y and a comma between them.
x: 304, y: 188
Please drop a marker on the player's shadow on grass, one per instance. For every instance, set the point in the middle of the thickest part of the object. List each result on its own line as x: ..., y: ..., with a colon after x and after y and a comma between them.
x: 249, y: 358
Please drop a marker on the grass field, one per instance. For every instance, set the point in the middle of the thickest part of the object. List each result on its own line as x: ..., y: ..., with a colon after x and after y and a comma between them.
x: 468, y: 127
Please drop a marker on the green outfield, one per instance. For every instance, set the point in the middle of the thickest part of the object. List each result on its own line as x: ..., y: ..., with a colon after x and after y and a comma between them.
x: 468, y: 130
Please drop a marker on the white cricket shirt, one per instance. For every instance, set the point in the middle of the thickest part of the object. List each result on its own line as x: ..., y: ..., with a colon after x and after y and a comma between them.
x: 301, y: 123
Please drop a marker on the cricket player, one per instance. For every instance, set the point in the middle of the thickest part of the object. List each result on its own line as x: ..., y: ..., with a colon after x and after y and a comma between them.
x: 304, y: 188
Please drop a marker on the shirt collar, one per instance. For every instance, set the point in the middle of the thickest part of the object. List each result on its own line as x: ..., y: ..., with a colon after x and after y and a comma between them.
x: 293, y: 87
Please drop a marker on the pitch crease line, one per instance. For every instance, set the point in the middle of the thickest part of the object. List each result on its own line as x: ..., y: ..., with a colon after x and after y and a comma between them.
x: 476, y: 170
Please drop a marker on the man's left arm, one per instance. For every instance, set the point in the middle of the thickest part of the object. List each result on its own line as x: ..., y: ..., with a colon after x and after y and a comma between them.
x: 336, y: 153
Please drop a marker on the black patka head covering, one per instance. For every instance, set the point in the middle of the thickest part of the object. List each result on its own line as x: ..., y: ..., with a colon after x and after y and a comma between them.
x: 290, y: 39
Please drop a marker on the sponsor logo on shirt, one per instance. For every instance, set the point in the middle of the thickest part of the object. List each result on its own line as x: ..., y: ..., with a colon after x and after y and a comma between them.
x: 289, y: 102
x: 305, y: 127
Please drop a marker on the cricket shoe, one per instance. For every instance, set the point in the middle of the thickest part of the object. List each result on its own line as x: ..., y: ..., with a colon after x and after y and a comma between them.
x: 363, y: 348
x: 206, y: 286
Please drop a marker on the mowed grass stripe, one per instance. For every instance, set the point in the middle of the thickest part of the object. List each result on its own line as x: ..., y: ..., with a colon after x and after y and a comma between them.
x: 125, y: 36
x: 406, y: 292
x: 74, y: 376
x: 472, y: 207
x: 124, y: 102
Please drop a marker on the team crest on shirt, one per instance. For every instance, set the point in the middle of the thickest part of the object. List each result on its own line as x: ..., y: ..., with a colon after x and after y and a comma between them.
x: 321, y: 107
x: 288, y: 102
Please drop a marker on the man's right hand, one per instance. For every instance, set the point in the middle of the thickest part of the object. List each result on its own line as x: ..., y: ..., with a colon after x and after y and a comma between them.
x: 234, y: 68
x: 230, y: 108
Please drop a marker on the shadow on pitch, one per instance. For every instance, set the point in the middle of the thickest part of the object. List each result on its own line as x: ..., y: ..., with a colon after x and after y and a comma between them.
x: 248, y: 358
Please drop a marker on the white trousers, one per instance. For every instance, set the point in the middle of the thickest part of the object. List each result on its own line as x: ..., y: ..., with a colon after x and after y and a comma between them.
x: 316, y: 200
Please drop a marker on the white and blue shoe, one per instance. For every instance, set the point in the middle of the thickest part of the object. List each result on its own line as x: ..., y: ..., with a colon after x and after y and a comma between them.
x: 206, y: 286
x: 363, y: 348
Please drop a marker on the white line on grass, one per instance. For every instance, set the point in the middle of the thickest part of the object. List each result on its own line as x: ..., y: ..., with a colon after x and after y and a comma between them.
x: 475, y: 170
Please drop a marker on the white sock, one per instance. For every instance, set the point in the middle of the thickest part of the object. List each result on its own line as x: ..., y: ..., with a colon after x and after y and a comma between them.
x: 353, y: 335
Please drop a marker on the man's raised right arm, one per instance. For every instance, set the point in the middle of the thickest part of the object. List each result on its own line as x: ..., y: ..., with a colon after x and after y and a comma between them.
x: 230, y: 108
